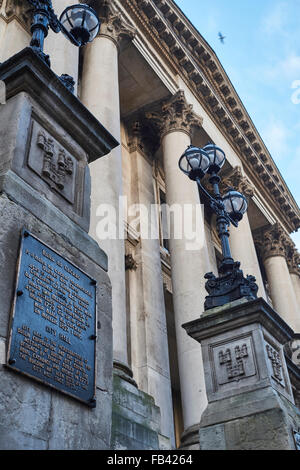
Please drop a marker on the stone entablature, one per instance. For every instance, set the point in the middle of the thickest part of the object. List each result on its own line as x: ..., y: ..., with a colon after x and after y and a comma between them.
x: 180, y: 43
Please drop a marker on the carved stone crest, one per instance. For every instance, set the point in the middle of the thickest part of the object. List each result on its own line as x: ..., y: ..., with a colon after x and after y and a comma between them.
x: 234, y: 361
x: 52, y: 162
x: 276, y: 363
x: 55, y: 169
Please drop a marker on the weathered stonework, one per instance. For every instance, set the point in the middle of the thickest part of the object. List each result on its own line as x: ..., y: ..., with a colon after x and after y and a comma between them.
x: 49, y: 138
x: 236, y: 180
x: 293, y: 259
x: 176, y: 115
x: 113, y: 24
x: 34, y: 417
x: 135, y: 418
x: 250, y: 397
x: 273, y: 241
x: 19, y: 9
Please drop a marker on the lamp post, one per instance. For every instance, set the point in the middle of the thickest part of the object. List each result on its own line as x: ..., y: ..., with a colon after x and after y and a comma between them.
x: 79, y: 23
x: 231, y: 284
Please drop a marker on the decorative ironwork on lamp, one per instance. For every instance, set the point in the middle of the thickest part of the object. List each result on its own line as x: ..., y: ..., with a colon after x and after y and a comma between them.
x: 79, y: 23
x: 231, y: 283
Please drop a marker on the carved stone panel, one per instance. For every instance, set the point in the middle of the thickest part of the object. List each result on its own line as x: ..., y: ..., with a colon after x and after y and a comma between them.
x: 275, y: 365
x: 233, y: 361
x: 51, y: 161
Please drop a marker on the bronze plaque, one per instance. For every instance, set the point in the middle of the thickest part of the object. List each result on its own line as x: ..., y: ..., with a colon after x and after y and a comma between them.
x: 53, y: 330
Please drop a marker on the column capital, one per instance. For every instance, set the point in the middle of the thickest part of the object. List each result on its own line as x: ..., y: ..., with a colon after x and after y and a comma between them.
x: 113, y: 25
x: 176, y: 116
x: 236, y: 180
x: 273, y: 241
x: 293, y: 259
x: 141, y: 137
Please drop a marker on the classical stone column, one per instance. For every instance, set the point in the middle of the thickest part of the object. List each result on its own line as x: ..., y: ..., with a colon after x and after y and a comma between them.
x: 274, y: 242
x: 147, y: 316
x: 100, y: 93
x: 188, y: 266
x: 241, y: 239
x: 63, y: 54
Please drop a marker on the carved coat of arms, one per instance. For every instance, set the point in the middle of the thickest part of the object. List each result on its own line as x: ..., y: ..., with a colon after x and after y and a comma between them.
x: 233, y: 361
x: 57, y: 165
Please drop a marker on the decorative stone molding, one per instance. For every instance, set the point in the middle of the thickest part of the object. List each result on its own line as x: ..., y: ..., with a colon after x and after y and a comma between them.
x: 19, y: 10
x: 142, y: 137
x: 183, y: 47
x: 235, y: 179
x: 113, y: 25
x: 132, y: 236
x: 176, y: 115
x: 293, y: 259
x: 130, y: 263
x: 273, y: 242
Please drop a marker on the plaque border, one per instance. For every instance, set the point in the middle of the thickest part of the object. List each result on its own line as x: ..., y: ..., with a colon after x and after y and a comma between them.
x: 92, y: 403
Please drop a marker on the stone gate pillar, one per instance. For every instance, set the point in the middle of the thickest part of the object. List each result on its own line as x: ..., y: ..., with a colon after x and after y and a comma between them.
x: 55, y: 316
x: 250, y: 398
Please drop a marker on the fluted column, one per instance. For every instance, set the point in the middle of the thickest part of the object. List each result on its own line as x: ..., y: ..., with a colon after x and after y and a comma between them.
x: 64, y: 55
x: 188, y: 267
x: 273, y: 246
x: 100, y: 93
x: 241, y: 239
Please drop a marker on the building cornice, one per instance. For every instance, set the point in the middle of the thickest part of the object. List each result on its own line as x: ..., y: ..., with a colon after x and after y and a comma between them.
x: 197, y: 64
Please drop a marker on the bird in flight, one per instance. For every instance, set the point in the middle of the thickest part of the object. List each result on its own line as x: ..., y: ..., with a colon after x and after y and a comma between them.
x: 221, y: 37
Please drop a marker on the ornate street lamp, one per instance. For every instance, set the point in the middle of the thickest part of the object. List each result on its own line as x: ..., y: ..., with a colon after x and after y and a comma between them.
x: 231, y: 284
x: 79, y: 23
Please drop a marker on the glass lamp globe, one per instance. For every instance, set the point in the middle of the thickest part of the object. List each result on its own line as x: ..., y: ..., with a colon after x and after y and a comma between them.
x: 235, y: 204
x: 81, y: 22
x: 194, y: 162
x: 216, y: 156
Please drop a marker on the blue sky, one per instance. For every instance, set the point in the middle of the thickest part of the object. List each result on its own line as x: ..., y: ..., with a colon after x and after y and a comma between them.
x: 261, y: 56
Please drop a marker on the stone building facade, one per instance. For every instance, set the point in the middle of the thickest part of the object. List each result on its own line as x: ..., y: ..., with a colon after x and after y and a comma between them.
x: 154, y: 83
